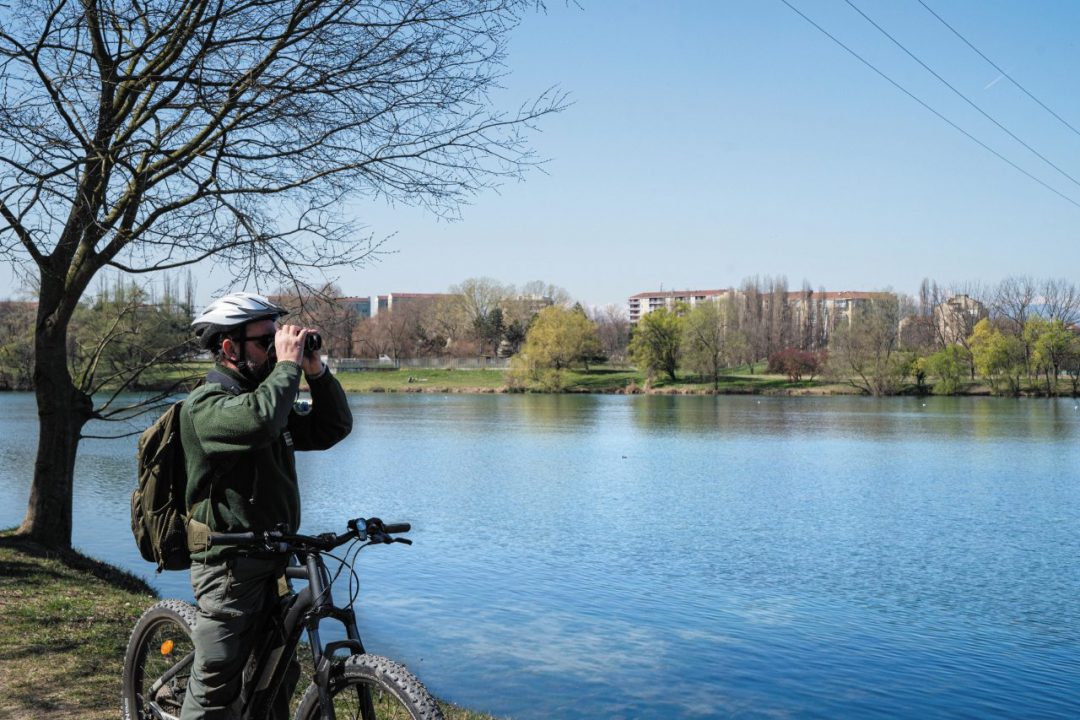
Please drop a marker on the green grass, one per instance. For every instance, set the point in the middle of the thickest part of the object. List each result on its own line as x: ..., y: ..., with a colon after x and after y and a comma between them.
x: 66, y: 620
x: 577, y: 380
x: 66, y: 624
x: 735, y: 381
x: 417, y: 380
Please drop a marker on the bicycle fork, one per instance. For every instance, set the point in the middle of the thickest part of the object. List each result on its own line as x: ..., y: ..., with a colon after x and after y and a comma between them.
x: 322, y: 606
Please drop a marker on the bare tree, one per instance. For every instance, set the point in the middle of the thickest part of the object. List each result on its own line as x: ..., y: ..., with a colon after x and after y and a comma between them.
x: 778, y: 321
x: 444, y: 328
x: 146, y: 136
x: 803, y: 317
x: 752, y: 321
x: 613, y: 326
x: 325, y: 308
x: 1061, y: 300
x: 388, y: 333
x: 821, y: 321
x: 479, y: 296
x: 866, y: 350
x: 918, y: 329
x: 540, y: 290
x: 1013, y: 301
x: 481, y: 300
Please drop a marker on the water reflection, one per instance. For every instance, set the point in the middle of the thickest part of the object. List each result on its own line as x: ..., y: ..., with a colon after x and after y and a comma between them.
x: 926, y: 418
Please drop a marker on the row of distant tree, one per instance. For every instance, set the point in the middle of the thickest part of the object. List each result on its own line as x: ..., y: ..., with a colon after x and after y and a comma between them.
x: 477, y: 317
x: 1020, y: 333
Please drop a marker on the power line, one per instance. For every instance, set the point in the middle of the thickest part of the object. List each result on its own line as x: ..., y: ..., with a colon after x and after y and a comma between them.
x: 911, y: 95
x: 961, y: 95
x: 998, y: 68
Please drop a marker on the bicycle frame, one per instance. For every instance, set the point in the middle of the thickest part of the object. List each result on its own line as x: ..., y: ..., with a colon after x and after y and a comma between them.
x: 305, y: 611
x: 302, y: 611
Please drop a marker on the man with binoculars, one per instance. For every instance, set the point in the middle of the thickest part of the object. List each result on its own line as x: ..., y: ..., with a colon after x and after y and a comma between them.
x: 239, y: 431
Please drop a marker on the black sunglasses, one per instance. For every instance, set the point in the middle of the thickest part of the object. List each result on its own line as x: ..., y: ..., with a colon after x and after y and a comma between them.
x: 263, y: 341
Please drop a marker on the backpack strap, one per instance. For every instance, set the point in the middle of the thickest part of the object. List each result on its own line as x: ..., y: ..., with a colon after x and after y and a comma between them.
x: 231, y: 384
x: 199, y: 531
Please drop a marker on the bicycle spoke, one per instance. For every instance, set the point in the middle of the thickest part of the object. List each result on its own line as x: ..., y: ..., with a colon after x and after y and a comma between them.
x: 165, y: 646
x: 349, y: 700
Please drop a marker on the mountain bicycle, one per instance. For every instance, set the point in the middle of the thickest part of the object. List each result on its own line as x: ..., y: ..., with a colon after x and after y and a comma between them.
x: 160, y: 652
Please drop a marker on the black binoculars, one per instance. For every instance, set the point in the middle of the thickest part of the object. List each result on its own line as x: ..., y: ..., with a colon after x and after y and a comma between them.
x: 312, y: 343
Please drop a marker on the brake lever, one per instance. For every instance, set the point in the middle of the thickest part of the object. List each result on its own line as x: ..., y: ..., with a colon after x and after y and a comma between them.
x: 405, y: 541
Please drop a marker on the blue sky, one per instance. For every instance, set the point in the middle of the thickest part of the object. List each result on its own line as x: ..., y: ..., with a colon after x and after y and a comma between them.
x: 711, y: 141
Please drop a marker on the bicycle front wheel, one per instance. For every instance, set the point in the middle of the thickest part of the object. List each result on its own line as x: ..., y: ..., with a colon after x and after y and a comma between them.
x: 158, y: 662
x: 389, y: 691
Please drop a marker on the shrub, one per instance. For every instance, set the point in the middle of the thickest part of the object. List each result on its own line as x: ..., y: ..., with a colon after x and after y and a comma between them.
x: 949, y: 366
x: 796, y: 363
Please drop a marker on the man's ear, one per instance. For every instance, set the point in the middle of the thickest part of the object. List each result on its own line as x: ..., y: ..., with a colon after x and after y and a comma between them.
x: 228, y: 349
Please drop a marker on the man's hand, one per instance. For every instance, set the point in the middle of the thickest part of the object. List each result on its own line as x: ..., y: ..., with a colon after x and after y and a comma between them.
x: 289, y: 343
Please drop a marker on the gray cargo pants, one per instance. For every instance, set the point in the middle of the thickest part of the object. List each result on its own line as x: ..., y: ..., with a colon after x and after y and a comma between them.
x: 234, y: 598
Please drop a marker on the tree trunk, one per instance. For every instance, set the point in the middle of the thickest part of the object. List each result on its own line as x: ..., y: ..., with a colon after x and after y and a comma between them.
x: 62, y: 411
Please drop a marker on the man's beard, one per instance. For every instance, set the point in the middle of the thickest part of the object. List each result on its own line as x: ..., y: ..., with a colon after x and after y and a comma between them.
x: 255, y: 374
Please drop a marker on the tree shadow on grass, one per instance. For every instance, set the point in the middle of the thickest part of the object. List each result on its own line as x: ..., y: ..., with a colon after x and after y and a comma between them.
x: 74, y: 560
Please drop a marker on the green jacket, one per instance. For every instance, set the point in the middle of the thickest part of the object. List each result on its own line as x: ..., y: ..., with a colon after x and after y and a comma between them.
x: 239, y: 442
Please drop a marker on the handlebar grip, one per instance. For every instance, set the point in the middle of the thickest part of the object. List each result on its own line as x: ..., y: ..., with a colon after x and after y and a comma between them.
x: 246, y: 538
x: 393, y: 528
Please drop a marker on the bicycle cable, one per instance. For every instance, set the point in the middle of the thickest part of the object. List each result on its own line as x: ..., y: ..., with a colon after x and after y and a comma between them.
x: 349, y: 559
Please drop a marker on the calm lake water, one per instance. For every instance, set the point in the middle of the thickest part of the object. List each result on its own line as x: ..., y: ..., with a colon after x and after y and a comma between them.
x: 690, y: 557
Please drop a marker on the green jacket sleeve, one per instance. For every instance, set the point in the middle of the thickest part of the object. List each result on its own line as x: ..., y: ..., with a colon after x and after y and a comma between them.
x: 238, y: 423
x: 330, y: 418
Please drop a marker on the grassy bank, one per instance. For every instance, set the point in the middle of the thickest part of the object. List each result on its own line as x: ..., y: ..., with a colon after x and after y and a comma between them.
x: 416, y: 380
x: 66, y: 624
x: 599, y: 380
x: 603, y: 380
x: 66, y: 619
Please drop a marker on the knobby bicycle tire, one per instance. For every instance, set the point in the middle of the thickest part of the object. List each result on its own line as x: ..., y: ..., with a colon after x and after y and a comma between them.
x: 160, y: 640
x: 396, y: 693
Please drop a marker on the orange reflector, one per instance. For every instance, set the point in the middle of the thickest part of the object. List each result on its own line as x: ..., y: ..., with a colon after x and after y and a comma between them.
x: 167, y: 647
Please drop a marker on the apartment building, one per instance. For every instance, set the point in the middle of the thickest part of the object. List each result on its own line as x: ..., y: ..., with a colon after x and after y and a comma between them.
x: 409, y: 301
x: 834, y: 306
x: 358, y: 305
x: 840, y: 306
x: 955, y: 318
x: 644, y: 303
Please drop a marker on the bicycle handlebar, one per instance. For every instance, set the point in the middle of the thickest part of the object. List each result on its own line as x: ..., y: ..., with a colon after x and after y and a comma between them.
x: 371, y: 530
x: 245, y: 538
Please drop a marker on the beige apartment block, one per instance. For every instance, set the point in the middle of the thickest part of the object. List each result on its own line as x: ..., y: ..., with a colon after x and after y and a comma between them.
x: 836, y: 306
x: 644, y: 303
x: 955, y: 318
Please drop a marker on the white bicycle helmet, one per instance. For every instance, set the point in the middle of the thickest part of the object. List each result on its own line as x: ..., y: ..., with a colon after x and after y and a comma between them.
x: 232, y: 310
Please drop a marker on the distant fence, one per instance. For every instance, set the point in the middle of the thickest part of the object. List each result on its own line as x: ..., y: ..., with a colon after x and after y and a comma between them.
x: 429, y: 363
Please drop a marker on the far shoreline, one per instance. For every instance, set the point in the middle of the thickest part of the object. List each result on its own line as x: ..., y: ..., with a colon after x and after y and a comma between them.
x: 602, y: 381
